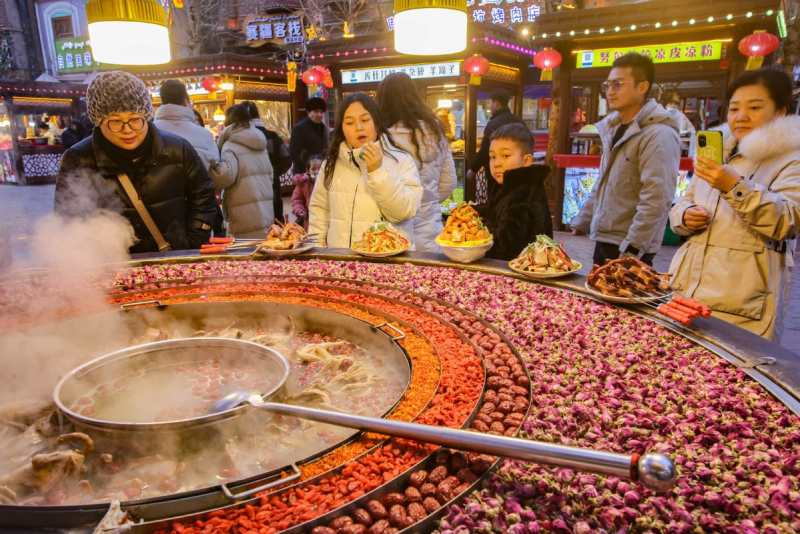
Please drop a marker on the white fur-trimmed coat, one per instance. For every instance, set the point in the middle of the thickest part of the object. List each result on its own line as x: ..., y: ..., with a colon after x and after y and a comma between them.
x: 732, y: 265
x: 437, y: 173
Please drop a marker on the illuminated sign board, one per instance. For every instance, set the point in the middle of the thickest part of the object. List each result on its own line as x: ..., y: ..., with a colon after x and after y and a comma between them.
x: 415, y: 72
x: 665, y: 53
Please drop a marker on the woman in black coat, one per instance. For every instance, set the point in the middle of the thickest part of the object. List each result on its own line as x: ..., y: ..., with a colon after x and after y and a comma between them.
x: 165, y: 170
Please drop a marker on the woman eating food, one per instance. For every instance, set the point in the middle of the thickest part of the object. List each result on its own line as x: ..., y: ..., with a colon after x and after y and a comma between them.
x: 742, y: 216
x: 364, y: 179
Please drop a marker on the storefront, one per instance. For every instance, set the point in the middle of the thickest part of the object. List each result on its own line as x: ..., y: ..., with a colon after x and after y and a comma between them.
x: 694, y: 48
x: 462, y: 107
x: 33, y: 116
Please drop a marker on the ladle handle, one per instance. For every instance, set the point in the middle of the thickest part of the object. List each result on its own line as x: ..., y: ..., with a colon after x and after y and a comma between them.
x: 654, y: 471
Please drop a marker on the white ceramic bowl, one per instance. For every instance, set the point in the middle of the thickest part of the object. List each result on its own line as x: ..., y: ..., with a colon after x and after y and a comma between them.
x: 466, y: 254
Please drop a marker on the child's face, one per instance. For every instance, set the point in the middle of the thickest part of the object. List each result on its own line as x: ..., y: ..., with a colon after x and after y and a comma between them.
x: 313, y: 167
x: 506, y: 155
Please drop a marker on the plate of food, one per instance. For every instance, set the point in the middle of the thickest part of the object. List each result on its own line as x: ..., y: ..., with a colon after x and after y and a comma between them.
x: 285, y: 240
x: 544, y: 258
x: 381, y: 240
x: 628, y: 280
x: 464, y: 238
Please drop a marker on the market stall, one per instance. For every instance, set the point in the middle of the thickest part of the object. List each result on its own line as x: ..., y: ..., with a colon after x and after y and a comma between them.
x: 487, y: 350
x: 32, y: 117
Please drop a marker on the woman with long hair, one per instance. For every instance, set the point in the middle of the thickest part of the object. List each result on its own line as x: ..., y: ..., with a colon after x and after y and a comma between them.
x: 416, y: 129
x: 741, y: 217
x: 365, y: 179
x: 244, y: 176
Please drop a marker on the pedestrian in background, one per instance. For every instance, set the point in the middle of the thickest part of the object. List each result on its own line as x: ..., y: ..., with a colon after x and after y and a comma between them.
x: 627, y: 210
x: 415, y: 129
x: 244, y: 174
x: 177, y: 116
x: 501, y: 115
x: 303, y: 187
x: 278, y: 157
x: 309, y: 135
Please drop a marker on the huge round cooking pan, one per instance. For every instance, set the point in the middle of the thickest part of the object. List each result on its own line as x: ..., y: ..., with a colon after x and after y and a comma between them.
x: 196, y: 315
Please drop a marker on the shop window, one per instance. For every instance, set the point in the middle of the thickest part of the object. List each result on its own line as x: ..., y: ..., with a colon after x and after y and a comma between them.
x: 62, y: 27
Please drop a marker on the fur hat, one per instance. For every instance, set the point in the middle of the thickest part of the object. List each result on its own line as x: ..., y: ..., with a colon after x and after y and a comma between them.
x: 117, y: 91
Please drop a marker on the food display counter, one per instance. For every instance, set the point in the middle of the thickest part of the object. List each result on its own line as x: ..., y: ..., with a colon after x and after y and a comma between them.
x: 488, y: 350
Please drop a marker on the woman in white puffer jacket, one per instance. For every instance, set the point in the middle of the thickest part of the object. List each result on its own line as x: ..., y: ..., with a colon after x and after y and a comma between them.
x: 416, y: 130
x: 365, y: 179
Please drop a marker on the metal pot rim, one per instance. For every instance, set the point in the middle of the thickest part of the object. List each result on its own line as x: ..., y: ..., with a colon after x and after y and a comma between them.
x: 160, y: 345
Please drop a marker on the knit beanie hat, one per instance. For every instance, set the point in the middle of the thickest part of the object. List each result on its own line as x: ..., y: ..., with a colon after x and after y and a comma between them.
x: 117, y: 91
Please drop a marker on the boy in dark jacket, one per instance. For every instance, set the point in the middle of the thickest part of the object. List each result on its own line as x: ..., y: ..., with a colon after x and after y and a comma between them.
x: 518, y: 212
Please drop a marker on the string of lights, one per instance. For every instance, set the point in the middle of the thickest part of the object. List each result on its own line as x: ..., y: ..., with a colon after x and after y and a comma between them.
x: 656, y: 25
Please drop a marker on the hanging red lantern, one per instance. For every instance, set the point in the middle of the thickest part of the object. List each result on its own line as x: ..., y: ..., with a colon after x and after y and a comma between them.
x: 312, y: 76
x: 211, y: 83
x: 476, y: 66
x: 756, y: 46
x: 326, y: 79
x: 547, y: 60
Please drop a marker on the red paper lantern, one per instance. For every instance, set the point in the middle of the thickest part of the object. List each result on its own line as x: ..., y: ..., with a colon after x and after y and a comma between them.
x: 476, y: 66
x: 313, y: 76
x: 547, y: 59
x: 211, y: 83
x: 759, y: 44
x: 756, y: 46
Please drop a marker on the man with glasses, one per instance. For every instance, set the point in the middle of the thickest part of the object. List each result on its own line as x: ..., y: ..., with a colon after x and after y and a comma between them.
x: 629, y: 205
x: 127, y: 164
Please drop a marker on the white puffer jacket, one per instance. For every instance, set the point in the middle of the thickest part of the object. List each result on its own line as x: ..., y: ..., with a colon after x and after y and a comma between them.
x: 356, y: 199
x: 438, y: 175
x: 245, y: 178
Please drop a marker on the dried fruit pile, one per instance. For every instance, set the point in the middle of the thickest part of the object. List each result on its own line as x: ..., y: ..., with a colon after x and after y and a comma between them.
x: 604, y: 378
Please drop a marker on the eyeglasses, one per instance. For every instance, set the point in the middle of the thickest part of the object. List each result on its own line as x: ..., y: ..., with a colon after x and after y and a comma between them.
x: 135, y: 124
x: 616, y: 85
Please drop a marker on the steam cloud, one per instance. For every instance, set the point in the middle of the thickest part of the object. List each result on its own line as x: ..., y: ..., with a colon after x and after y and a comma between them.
x: 69, y: 258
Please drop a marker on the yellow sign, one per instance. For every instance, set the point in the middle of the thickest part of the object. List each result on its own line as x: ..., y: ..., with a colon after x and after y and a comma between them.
x: 665, y: 53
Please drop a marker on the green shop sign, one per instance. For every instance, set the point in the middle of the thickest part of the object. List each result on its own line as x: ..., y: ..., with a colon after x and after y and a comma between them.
x: 74, y: 54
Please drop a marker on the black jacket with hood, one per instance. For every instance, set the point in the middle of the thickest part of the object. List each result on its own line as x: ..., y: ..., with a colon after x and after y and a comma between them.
x: 166, y: 172
x: 518, y: 212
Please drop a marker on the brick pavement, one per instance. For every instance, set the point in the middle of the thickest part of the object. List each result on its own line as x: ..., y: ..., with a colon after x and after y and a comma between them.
x: 21, y: 206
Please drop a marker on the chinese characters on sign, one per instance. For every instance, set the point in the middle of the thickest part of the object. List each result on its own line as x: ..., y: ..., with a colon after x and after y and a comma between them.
x: 285, y: 29
x: 74, y: 54
x: 427, y: 70
x: 666, y: 53
x: 505, y: 12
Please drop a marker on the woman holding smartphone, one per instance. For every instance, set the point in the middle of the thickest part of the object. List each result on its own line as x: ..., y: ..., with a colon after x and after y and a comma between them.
x: 742, y: 215
x: 364, y: 179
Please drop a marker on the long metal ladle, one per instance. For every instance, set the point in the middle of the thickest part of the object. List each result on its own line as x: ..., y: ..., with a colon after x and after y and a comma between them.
x: 654, y: 471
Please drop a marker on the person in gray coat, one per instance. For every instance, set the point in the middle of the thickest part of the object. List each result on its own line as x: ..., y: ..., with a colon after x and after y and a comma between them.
x: 244, y: 174
x: 629, y: 205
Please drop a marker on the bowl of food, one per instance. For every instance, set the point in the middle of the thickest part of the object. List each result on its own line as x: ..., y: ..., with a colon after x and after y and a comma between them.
x: 544, y: 258
x: 381, y: 240
x: 465, y: 238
